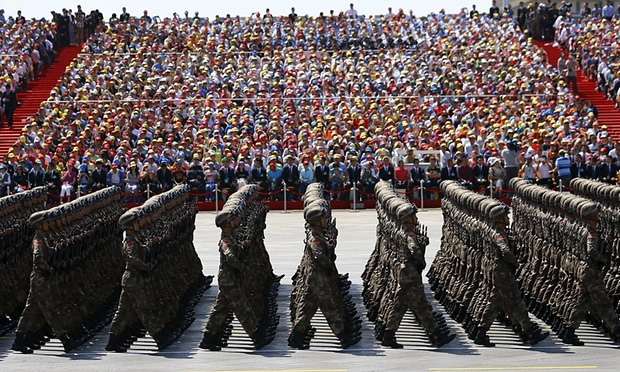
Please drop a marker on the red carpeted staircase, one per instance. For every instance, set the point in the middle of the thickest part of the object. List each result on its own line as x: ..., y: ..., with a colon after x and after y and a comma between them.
x: 38, y: 91
x: 607, y: 112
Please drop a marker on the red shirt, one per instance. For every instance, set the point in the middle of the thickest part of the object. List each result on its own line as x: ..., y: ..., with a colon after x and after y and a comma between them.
x: 401, y: 174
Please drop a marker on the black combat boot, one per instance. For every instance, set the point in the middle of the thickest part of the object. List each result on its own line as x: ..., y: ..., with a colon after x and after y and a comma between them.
x: 260, y: 339
x: 536, y: 335
x: 221, y: 338
x: 32, y: 341
x: 389, y: 339
x: 309, y: 336
x: 459, y: 317
x: 439, y: 338
x: 20, y: 345
x: 372, y: 314
x: 209, y: 342
x: 556, y: 324
x: 473, y: 334
x: 379, y: 331
x: 483, y: 339
x: 347, y: 339
x: 352, y: 327
x: 297, y: 340
x: 571, y: 338
x: 68, y: 342
x: 114, y: 345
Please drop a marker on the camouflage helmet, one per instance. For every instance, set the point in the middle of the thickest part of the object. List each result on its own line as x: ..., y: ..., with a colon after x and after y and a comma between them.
x: 577, y: 184
x: 499, y: 211
x: 309, y: 198
x: 489, y: 206
x: 589, y: 210
x: 225, y: 218
x: 316, y: 210
x: 514, y: 182
x: 381, y: 185
x: 477, y: 199
x: 609, y: 192
x: 564, y: 201
x: 384, y: 194
x: 38, y: 217
x: 405, y: 210
x: 591, y: 188
x: 473, y: 200
x: 574, y: 205
x: 391, y: 206
x: 599, y: 189
x: 444, y: 185
x: 540, y: 194
x: 544, y: 197
x: 485, y: 204
x: 556, y: 199
x: 129, y: 218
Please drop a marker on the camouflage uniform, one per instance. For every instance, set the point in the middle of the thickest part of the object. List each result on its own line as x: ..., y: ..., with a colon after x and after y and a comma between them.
x: 247, y: 285
x: 162, y: 281
x: 317, y: 284
x: 392, y: 277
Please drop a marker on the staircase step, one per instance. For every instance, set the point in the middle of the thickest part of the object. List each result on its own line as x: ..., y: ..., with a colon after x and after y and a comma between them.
x: 38, y: 91
x: 607, y: 112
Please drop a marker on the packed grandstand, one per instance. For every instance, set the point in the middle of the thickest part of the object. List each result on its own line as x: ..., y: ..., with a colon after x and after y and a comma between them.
x: 284, y: 101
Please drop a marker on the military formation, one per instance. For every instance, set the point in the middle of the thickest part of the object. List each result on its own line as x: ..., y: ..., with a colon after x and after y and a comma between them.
x: 609, y: 228
x: 393, y: 275
x: 247, y: 286
x: 561, y: 259
x: 317, y: 283
x: 76, y: 271
x: 63, y: 270
x: 473, y: 274
x: 16, y: 252
x: 163, y: 281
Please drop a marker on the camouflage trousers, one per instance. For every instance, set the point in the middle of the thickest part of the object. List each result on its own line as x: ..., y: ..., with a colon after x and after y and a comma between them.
x: 505, y: 295
x: 322, y: 293
x: 593, y: 296
x: 125, y: 316
x: 231, y: 298
x: 410, y: 295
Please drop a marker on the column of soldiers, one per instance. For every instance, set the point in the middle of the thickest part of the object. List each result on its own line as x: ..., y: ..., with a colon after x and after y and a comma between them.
x: 16, y: 252
x: 317, y: 284
x: 560, y: 259
x: 473, y: 274
x: 609, y: 228
x: 247, y: 285
x: 163, y: 280
x: 393, y: 275
x: 76, y: 272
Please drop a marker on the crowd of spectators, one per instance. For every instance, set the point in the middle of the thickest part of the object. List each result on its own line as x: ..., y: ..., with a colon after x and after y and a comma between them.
x: 544, y: 20
x: 75, y: 27
x: 26, y: 46
x: 343, y: 99
x: 594, y: 41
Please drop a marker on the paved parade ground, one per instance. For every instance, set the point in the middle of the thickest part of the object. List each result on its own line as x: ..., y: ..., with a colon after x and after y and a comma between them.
x: 284, y: 241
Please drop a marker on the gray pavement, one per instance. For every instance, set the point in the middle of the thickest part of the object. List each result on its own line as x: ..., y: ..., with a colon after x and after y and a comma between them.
x: 284, y: 241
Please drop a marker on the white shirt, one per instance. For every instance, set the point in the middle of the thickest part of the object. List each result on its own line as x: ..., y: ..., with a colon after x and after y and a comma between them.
x: 351, y: 13
x: 543, y: 170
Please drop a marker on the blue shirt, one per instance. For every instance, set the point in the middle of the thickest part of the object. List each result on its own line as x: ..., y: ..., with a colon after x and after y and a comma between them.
x: 275, y: 174
x: 563, y: 166
x: 306, y: 175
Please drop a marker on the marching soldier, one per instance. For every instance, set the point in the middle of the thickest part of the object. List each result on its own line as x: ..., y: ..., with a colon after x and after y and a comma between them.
x: 317, y: 282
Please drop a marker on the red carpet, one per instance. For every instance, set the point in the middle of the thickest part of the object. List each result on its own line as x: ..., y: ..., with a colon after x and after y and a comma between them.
x: 38, y: 91
x: 607, y: 112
